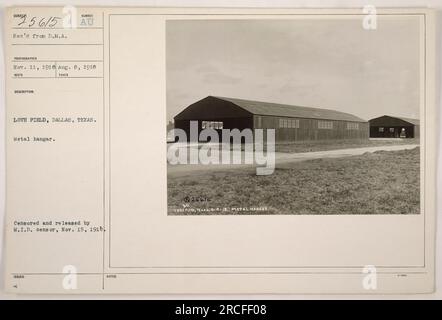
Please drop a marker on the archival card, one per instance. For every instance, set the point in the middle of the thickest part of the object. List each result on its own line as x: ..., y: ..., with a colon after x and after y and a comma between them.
x: 220, y: 150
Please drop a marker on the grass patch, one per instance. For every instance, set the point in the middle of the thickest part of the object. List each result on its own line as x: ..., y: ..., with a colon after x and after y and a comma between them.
x: 384, y: 182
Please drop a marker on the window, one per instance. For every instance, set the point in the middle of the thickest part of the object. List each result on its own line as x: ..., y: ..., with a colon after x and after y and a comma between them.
x: 294, y: 123
x: 283, y: 123
x: 381, y: 129
x: 288, y: 123
x: 391, y: 130
x: 325, y: 125
x: 211, y: 125
x: 352, y: 126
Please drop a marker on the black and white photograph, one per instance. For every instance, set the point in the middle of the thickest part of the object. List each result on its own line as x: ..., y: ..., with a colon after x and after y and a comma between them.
x: 293, y: 116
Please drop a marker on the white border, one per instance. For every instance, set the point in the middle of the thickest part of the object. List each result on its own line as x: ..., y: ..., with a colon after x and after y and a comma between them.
x: 233, y: 4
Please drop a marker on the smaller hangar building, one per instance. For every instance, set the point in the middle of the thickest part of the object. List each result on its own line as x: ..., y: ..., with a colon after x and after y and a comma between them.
x: 394, y: 127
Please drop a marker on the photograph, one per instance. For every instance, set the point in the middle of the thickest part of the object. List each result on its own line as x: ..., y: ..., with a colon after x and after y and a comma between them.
x: 293, y: 116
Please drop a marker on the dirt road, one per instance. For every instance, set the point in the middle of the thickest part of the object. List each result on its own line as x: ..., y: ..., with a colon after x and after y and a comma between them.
x: 281, y: 158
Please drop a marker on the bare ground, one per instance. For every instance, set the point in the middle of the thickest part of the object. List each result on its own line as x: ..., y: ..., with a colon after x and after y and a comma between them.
x: 305, y: 146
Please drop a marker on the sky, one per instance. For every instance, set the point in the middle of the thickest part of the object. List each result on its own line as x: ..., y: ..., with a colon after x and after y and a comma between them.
x: 332, y: 64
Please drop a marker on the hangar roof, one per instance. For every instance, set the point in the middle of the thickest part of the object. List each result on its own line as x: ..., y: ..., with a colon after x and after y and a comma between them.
x: 412, y: 121
x: 284, y: 110
x: 391, y: 120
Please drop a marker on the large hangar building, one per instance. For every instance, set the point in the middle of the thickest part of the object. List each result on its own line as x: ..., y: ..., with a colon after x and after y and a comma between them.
x: 291, y: 123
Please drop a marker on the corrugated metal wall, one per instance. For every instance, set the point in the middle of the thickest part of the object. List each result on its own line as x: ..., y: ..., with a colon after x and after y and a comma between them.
x: 384, y: 132
x: 309, y: 130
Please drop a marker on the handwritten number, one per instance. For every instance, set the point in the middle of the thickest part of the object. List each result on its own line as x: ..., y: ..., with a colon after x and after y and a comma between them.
x: 44, y: 22
x: 54, y: 21
x: 32, y: 22
x: 23, y: 20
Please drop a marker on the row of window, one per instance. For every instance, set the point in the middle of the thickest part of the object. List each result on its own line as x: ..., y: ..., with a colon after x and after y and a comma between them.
x: 352, y: 126
x: 325, y: 124
x: 211, y: 125
x: 382, y: 129
x: 286, y: 123
x: 289, y: 123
